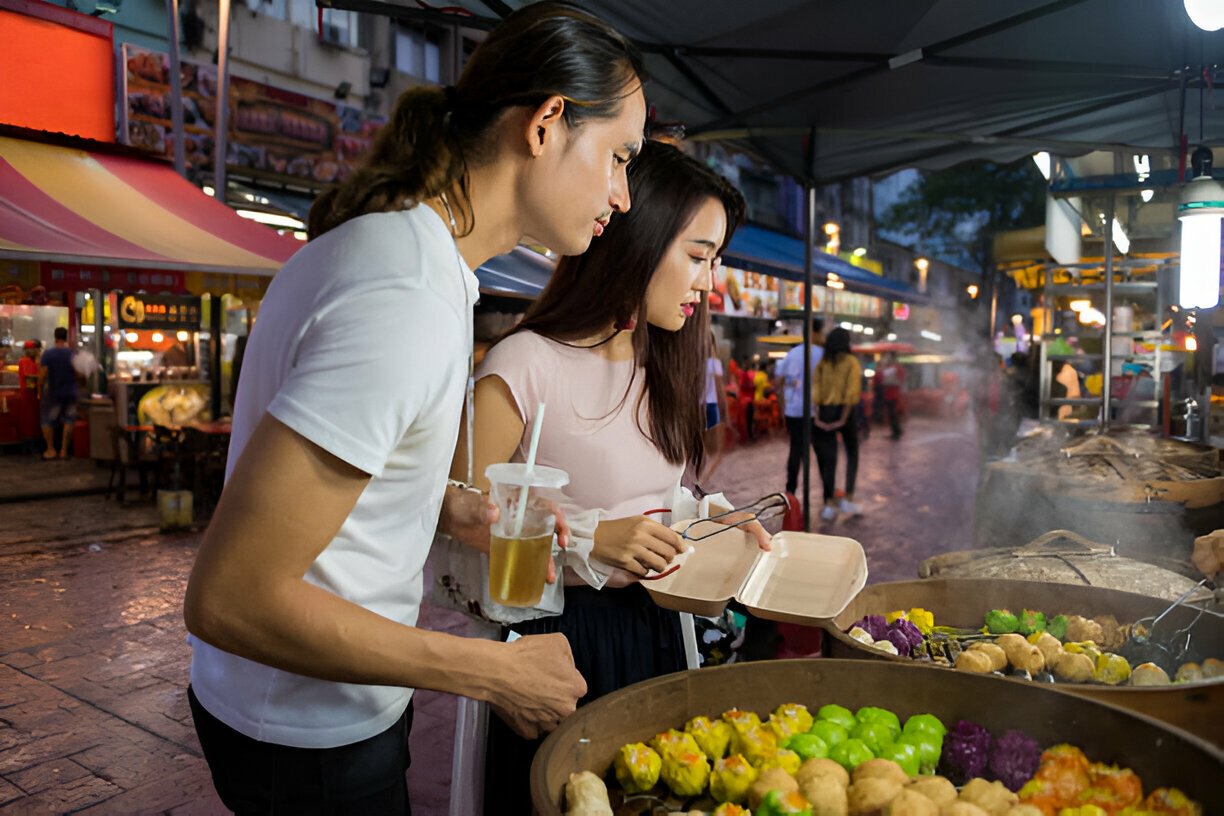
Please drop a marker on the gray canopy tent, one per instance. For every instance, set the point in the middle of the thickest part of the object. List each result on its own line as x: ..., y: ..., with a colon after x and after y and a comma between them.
x: 836, y: 89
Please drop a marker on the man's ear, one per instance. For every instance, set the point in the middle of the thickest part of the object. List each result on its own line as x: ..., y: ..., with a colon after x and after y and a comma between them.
x: 544, y: 125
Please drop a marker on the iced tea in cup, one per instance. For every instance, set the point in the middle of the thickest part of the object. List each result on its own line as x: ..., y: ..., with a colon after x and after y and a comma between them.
x: 522, y: 537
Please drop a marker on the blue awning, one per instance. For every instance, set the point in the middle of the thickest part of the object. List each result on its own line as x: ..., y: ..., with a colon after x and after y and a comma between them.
x: 520, y: 273
x: 761, y: 250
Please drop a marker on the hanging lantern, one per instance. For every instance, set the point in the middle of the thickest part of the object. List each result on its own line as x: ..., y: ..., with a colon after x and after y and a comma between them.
x: 1206, y: 14
x: 1202, y: 205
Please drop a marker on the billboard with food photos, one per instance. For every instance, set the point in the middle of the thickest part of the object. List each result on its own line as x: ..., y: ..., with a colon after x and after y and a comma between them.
x: 744, y: 293
x: 275, y: 133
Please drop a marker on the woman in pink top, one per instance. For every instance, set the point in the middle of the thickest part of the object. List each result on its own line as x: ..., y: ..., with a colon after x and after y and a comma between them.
x: 616, y: 348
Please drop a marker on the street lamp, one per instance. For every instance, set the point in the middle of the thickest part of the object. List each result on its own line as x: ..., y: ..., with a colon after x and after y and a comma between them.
x: 922, y: 265
x: 972, y: 290
x: 1206, y: 14
x: 1202, y: 205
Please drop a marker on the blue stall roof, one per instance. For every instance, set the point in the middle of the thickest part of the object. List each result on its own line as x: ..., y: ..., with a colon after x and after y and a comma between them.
x: 520, y: 273
x: 773, y: 253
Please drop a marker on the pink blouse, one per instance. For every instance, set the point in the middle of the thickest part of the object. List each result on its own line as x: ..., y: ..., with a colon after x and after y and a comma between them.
x: 590, y: 430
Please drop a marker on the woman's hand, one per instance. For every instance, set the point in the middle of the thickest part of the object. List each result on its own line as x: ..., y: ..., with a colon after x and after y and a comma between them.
x: 636, y: 545
x: 753, y: 527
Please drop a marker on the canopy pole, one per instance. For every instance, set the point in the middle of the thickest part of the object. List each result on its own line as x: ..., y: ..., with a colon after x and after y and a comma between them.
x: 1107, y: 352
x: 220, y: 139
x: 809, y: 235
x: 176, y: 86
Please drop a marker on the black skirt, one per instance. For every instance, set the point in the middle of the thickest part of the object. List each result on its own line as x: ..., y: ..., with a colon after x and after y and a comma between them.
x: 619, y: 637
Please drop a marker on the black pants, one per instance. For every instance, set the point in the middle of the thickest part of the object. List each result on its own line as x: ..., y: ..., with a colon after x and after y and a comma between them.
x: 893, y: 408
x: 794, y: 427
x: 254, y: 777
x: 826, y: 450
x: 619, y: 637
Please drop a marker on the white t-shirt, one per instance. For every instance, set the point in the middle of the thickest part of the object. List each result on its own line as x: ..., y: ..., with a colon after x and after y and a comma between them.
x: 362, y: 347
x: 714, y: 368
x: 791, y: 371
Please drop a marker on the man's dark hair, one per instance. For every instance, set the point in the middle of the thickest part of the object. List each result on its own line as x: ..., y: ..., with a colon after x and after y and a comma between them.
x: 61, y: 334
x: 817, y: 325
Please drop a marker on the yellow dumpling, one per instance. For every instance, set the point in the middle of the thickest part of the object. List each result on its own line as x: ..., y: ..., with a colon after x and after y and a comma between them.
x: 789, y: 719
x: 637, y: 767
x: 671, y: 741
x: 686, y: 772
x: 755, y: 744
x: 731, y: 779
x: 713, y: 736
x: 782, y: 758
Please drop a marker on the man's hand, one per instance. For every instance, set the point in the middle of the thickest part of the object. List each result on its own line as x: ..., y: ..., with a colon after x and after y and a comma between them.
x: 468, y: 515
x: 539, y: 686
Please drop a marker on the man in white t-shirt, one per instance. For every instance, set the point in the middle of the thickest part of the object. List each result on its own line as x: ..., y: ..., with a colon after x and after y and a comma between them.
x: 788, y: 381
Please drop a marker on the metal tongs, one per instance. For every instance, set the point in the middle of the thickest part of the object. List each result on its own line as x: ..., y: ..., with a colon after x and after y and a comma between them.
x: 769, y: 507
x: 1178, y: 643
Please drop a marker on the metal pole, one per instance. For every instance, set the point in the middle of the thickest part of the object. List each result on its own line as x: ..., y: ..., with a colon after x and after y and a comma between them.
x: 1107, y: 351
x: 220, y: 139
x: 809, y: 235
x: 176, y: 85
x: 99, y: 337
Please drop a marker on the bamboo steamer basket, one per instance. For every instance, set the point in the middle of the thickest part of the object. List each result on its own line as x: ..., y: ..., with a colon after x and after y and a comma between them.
x: 1198, y: 708
x: 1149, y: 497
x: 1065, y: 557
x: 589, y: 739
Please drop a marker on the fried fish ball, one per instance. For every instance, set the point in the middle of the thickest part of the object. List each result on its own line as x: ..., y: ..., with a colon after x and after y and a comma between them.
x: 1049, y: 646
x: 974, y: 660
x: 1188, y: 673
x: 774, y: 779
x: 1081, y: 628
x: 1021, y: 654
x: 911, y: 803
x: 992, y: 797
x: 959, y: 808
x: 871, y: 795
x: 1074, y: 668
x: 936, y: 788
x: 1113, y: 635
x: 1212, y: 668
x: 1025, y: 810
x: 815, y: 768
x: 1149, y: 674
x: 994, y: 651
x: 884, y: 769
x: 827, y: 796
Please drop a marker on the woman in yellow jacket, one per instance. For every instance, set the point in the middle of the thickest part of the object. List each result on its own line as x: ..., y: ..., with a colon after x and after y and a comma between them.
x: 836, y: 389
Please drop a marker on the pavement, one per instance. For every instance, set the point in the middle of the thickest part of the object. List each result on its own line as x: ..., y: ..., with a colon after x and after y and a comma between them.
x: 94, y: 663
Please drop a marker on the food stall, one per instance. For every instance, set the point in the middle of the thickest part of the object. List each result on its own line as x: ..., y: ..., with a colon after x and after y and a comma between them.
x: 21, y: 324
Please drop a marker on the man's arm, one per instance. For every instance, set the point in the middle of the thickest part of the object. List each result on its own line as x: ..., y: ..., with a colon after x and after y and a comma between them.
x: 281, y: 508
x: 42, y: 380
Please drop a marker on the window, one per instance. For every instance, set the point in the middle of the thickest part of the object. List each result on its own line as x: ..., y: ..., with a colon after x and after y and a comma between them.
x: 418, y: 54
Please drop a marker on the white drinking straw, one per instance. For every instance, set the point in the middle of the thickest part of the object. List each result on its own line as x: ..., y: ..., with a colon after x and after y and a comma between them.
x: 531, y: 457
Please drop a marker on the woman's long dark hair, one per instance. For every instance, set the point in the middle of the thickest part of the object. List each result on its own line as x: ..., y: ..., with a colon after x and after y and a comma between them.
x: 837, y: 345
x: 435, y: 134
x: 606, y: 286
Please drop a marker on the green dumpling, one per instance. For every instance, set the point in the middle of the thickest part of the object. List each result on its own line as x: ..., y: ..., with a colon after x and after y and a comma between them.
x: 784, y: 804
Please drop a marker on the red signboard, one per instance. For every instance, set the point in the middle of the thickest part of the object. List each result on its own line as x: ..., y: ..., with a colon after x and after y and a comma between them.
x: 58, y: 70
x: 58, y: 277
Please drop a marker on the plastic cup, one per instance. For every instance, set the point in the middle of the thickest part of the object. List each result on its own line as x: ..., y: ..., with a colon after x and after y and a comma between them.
x: 518, y: 559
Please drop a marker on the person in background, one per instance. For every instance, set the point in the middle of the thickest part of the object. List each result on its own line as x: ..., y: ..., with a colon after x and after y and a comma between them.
x: 27, y: 385
x: 788, y: 382
x: 836, y: 391
x: 715, y: 410
x: 747, y: 396
x: 304, y: 599
x: 891, y: 377
x: 57, y: 388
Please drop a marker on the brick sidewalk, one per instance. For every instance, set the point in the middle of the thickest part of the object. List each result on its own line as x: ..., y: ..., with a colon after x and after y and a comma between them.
x: 93, y: 663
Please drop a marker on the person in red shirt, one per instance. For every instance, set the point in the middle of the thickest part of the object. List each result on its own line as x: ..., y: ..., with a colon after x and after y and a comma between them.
x: 27, y: 383
x: 892, y: 379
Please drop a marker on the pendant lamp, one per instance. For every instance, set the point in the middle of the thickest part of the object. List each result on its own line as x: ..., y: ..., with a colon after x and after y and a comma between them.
x: 1202, y: 206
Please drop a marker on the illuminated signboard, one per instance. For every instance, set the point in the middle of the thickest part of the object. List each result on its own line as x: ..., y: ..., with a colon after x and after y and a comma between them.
x: 159, y: 312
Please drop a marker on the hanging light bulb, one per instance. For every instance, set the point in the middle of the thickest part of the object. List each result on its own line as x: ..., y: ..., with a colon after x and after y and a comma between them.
x: 1202, y: 205
x: 1206, y: 14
